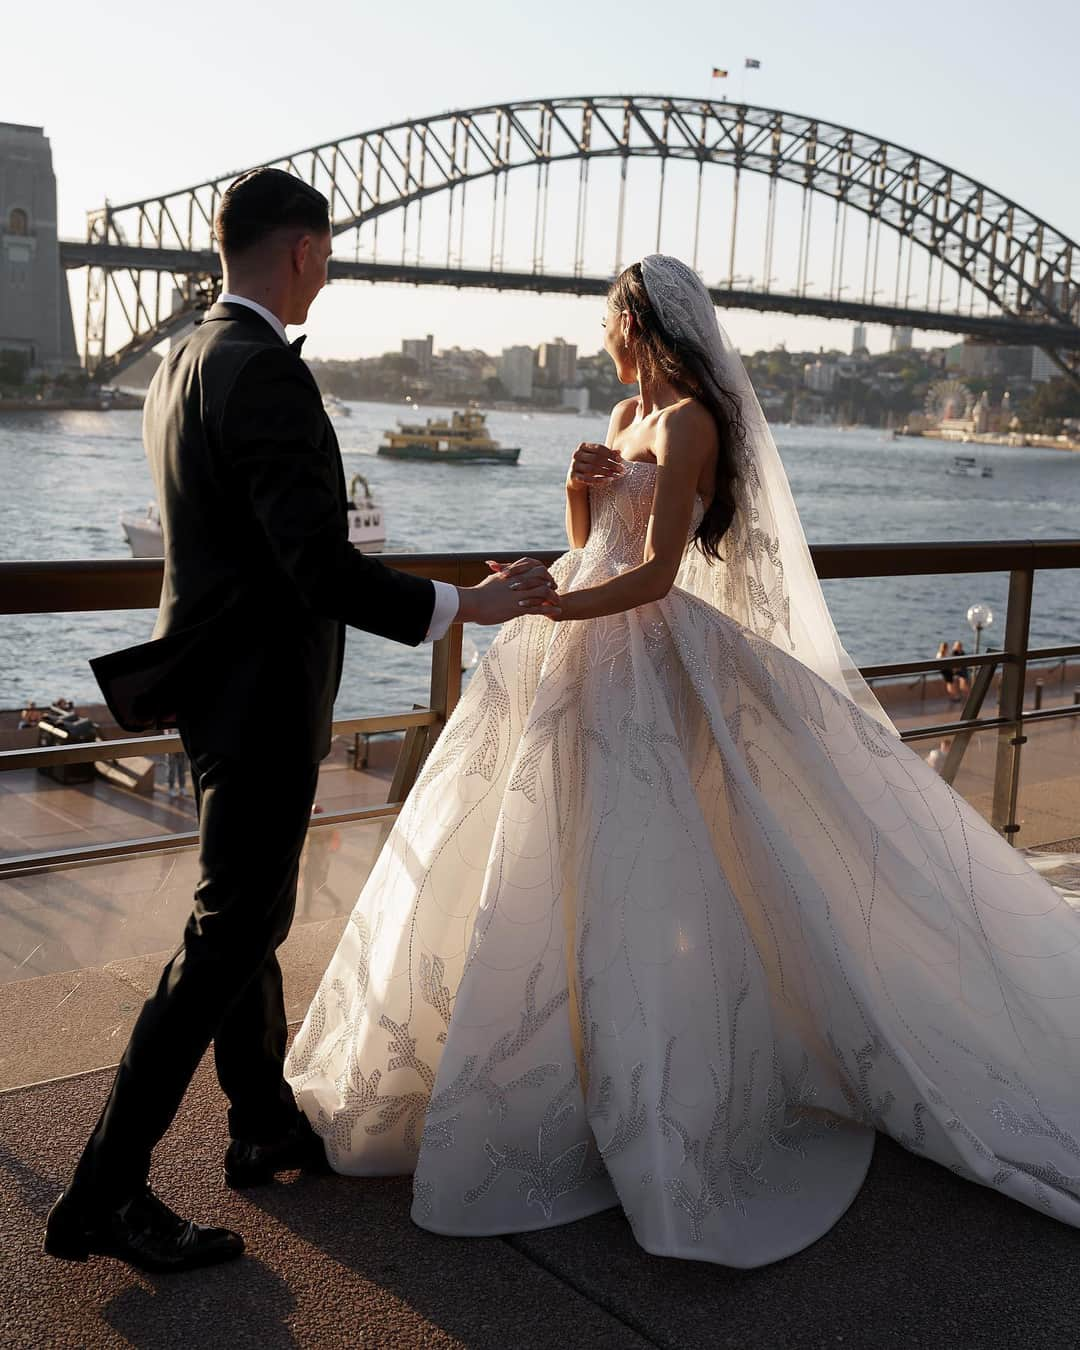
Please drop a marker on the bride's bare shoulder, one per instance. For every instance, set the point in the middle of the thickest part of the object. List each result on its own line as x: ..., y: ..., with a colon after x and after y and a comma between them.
x: 687, y: 423
x: 621, y: 416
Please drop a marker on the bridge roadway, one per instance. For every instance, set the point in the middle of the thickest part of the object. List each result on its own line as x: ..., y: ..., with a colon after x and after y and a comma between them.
x: 76, y: 253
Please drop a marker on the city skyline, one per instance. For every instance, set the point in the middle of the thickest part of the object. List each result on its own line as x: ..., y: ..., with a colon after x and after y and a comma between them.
x: 834, y: 66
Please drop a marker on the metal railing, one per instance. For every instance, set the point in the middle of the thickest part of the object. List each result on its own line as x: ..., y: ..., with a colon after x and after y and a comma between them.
x: 73, y: 587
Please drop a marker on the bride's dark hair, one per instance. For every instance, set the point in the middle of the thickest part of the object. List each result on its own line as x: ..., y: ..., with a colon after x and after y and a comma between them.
x: 659, y: 355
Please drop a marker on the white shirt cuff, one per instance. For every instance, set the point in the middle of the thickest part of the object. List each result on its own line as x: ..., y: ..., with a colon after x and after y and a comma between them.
x: 445, y: 611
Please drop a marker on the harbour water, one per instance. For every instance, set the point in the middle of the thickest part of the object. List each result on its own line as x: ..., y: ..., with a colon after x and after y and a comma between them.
x: 67, y: 475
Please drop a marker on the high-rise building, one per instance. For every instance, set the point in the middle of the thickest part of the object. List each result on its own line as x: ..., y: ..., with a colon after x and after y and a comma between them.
x: 421, y: 350
x: 858, y: 339
x: 35, y: 313
x: 557, y: 362
x: 516, y: 371
x: 901, y: 340
x: 1042, y: 368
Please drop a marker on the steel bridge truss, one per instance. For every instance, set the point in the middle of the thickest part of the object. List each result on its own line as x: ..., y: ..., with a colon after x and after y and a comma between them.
x: 151, y: 264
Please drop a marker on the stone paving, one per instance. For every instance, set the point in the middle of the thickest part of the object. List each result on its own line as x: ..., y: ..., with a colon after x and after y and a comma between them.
x: 921, y: 1261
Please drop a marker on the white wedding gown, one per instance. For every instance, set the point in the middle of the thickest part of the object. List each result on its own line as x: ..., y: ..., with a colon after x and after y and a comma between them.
x: 669, y: 923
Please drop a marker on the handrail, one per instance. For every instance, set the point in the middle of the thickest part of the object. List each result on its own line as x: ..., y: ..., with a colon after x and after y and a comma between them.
x: 127, y: 747
x: 85, y: 855
x: 119, y: 584
x: 65, y: 587
x: 967, y: 659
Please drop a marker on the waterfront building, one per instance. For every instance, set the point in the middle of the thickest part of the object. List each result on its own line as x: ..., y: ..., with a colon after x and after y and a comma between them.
x: 35, y: 313
x: 982, y: 360
x: 820, y: 376
x: 557, y: 363
x: 901, y: 340
x: 459, y: 373
x: 858, y: 340
x: 421, y: 350
x: 516, y: 371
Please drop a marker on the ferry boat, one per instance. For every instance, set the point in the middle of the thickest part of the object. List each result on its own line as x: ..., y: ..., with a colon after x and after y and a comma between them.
x: 463, y: 439
x: 367, y: 523
x: 965, y: 466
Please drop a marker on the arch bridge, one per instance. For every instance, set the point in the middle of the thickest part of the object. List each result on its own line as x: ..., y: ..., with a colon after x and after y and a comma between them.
x: 776, y: 210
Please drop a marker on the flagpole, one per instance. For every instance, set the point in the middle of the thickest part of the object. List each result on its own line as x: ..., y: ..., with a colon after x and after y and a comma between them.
x: 749, y: 63
x: 717, y: 74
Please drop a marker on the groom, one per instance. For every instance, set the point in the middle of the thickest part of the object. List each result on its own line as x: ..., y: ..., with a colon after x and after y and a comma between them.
x: 260, y: 581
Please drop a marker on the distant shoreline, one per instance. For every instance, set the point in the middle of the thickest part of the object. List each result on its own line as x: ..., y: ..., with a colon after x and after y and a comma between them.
x: 1017, y: 440
x: 94, y: 403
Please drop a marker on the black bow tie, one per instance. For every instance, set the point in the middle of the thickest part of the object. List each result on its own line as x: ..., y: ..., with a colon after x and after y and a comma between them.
x: 297, y: 343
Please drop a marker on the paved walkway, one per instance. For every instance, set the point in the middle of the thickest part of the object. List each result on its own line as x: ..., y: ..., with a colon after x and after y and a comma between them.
x: 921, y: 1261
x: 38, y: 814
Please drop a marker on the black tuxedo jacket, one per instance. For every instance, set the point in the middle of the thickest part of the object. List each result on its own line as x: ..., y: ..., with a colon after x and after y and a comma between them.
x: 260, y: 578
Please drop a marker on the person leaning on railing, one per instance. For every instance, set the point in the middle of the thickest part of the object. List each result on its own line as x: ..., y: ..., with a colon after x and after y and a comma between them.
x: 259, y: 583
x: 30, y: 716
x: 961, y: 673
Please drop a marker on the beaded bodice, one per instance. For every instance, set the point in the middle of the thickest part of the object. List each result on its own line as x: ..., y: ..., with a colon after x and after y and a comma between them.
x: 620, y: 508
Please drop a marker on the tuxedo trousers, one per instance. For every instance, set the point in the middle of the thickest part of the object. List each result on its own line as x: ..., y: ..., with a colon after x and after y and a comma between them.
x: 224, y: 984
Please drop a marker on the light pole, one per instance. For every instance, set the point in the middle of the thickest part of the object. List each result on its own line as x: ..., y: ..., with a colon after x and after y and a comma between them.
x: 980, y: 616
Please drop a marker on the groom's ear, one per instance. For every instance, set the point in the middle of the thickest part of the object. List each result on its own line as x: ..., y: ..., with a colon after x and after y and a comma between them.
x: 301, y: 247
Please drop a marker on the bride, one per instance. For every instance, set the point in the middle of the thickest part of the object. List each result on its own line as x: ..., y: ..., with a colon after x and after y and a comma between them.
x: 672, y: 919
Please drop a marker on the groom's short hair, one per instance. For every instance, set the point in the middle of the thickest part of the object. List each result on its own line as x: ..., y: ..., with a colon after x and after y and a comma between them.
x: 263, y: 201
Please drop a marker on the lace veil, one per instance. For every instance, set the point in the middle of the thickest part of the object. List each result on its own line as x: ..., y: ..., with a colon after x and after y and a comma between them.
x: 766, y: 581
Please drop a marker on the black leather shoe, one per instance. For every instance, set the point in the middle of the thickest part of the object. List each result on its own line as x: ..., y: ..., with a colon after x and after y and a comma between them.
x: 252, y: 1164
x: 144, y: 1232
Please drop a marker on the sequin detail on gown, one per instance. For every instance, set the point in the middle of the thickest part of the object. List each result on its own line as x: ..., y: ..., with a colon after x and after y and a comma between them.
x: 669, y: 923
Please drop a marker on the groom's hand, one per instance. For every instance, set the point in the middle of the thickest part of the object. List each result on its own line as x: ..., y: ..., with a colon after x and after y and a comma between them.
x: 523, y: 587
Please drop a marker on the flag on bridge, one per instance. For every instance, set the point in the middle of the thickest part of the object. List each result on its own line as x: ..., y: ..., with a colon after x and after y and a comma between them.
x: 719, y: 74
x: 752, y: 63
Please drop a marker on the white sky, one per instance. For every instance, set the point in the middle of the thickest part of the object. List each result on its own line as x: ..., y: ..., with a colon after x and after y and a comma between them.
x: 140, y: 98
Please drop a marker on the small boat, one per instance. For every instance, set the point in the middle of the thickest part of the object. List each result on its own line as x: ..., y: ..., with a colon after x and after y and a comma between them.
x: 143, y: 532
x: 335, y: 407
x: 367, y: 522
x: 965, y: 466
x: 463, y: 439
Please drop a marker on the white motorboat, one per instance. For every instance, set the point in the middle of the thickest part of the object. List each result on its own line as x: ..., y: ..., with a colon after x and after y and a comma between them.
x: 966, y: 466
x: 143, y: 532
x: 335, y: 407
x: 367, y: 521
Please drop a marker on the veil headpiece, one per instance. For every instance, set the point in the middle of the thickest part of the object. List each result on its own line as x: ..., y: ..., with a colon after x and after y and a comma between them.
x: 766, y: 581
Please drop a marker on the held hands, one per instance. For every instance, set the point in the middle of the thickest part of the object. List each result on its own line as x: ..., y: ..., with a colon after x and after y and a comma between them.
x: 523, y: 587
x: 592, y: 463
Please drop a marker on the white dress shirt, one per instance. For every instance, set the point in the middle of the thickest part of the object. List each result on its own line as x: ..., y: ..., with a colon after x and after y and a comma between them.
x: 446, y: 596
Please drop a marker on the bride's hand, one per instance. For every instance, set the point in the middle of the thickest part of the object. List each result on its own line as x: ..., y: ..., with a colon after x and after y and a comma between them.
x: 525, y: 570
x: 592, y: 463
x: 513, y: 589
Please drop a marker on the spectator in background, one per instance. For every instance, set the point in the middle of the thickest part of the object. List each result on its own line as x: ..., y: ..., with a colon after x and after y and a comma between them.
x: 177, y: 767
x: 961, y: 674
x: 948, y: 677
x: 30, y: 716
x: 940, y: 753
